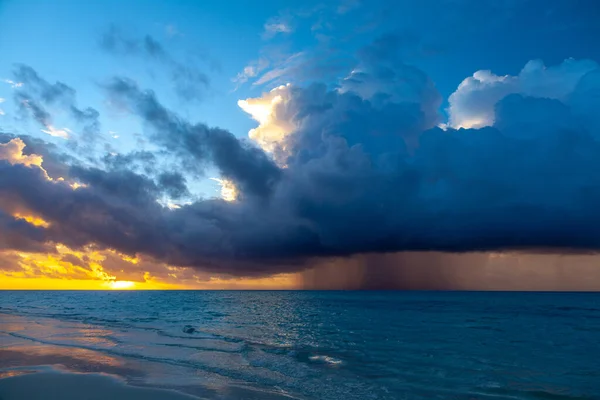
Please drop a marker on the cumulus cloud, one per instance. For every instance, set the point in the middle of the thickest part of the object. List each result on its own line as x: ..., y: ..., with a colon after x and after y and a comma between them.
x: 189, y: 82
x: 584, y: 101
x: 55, y: 163
x: 338, y: 172
x: 380, y: 102
x: 272, y: 129
x: 2, y: 101
x: 12, y: 152
x: 173, y: 184
x: 472, y: 104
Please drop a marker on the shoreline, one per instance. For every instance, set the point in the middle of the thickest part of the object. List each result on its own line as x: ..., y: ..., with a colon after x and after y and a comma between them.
x: 37, y: 371
x: 48, y: 383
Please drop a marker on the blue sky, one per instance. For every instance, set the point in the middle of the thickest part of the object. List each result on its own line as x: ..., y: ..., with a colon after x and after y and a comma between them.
x: 449, y: 40
x: 61, y: 41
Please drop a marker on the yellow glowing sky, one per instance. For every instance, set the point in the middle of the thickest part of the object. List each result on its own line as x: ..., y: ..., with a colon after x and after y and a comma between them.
x: 30, y: 271
x: 20, y: 282
x: 282, y: 282
x: 67, y: 269
x: 63, y: 268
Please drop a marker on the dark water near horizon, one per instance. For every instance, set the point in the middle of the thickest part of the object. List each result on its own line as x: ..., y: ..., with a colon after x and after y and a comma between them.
x: 316, y: 345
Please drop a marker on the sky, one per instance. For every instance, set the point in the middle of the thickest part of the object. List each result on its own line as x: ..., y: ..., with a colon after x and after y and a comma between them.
x: 436, y: 145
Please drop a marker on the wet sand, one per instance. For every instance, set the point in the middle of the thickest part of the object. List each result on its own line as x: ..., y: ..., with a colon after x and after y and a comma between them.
x: 49, y: 384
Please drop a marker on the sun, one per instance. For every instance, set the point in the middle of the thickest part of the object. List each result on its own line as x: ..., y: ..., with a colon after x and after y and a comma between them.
x: 121, y: 285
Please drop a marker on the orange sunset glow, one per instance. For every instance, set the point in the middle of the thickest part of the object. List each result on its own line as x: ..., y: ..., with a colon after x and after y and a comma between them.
x: 110, y: 270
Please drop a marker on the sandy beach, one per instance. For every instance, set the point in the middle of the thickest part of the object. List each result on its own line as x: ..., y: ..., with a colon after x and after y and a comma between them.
x: 52, y: 384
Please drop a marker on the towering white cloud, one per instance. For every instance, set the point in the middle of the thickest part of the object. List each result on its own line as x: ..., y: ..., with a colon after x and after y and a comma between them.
x: 269, y: 111
x: 472, y: 104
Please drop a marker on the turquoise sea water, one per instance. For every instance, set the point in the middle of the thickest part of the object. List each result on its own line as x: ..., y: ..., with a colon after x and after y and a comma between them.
x: 315, y: 345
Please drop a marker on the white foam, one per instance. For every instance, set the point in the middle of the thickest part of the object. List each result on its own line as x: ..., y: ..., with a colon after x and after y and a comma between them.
x: 326, y: 360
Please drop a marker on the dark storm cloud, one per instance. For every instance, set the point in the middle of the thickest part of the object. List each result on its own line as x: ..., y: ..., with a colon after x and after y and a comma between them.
x: 364, y: 169
x: 119, y: 184
x: 100, y: 214
x: 37, y: 94
x: 126, y: 184
x: 197, y: 144
x: 189, y: 82
x: 173, y: 184
x: 18, y: 234
x: 445, y: 271
x: 143, y: 160
x: 119, y: 211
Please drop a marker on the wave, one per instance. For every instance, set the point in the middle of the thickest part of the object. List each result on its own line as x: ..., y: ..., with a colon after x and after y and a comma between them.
x: 226, y: 373
x: 326, y: 360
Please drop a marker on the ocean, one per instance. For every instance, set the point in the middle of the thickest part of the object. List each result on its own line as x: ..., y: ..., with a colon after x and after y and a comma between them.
x: 313, y: 345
